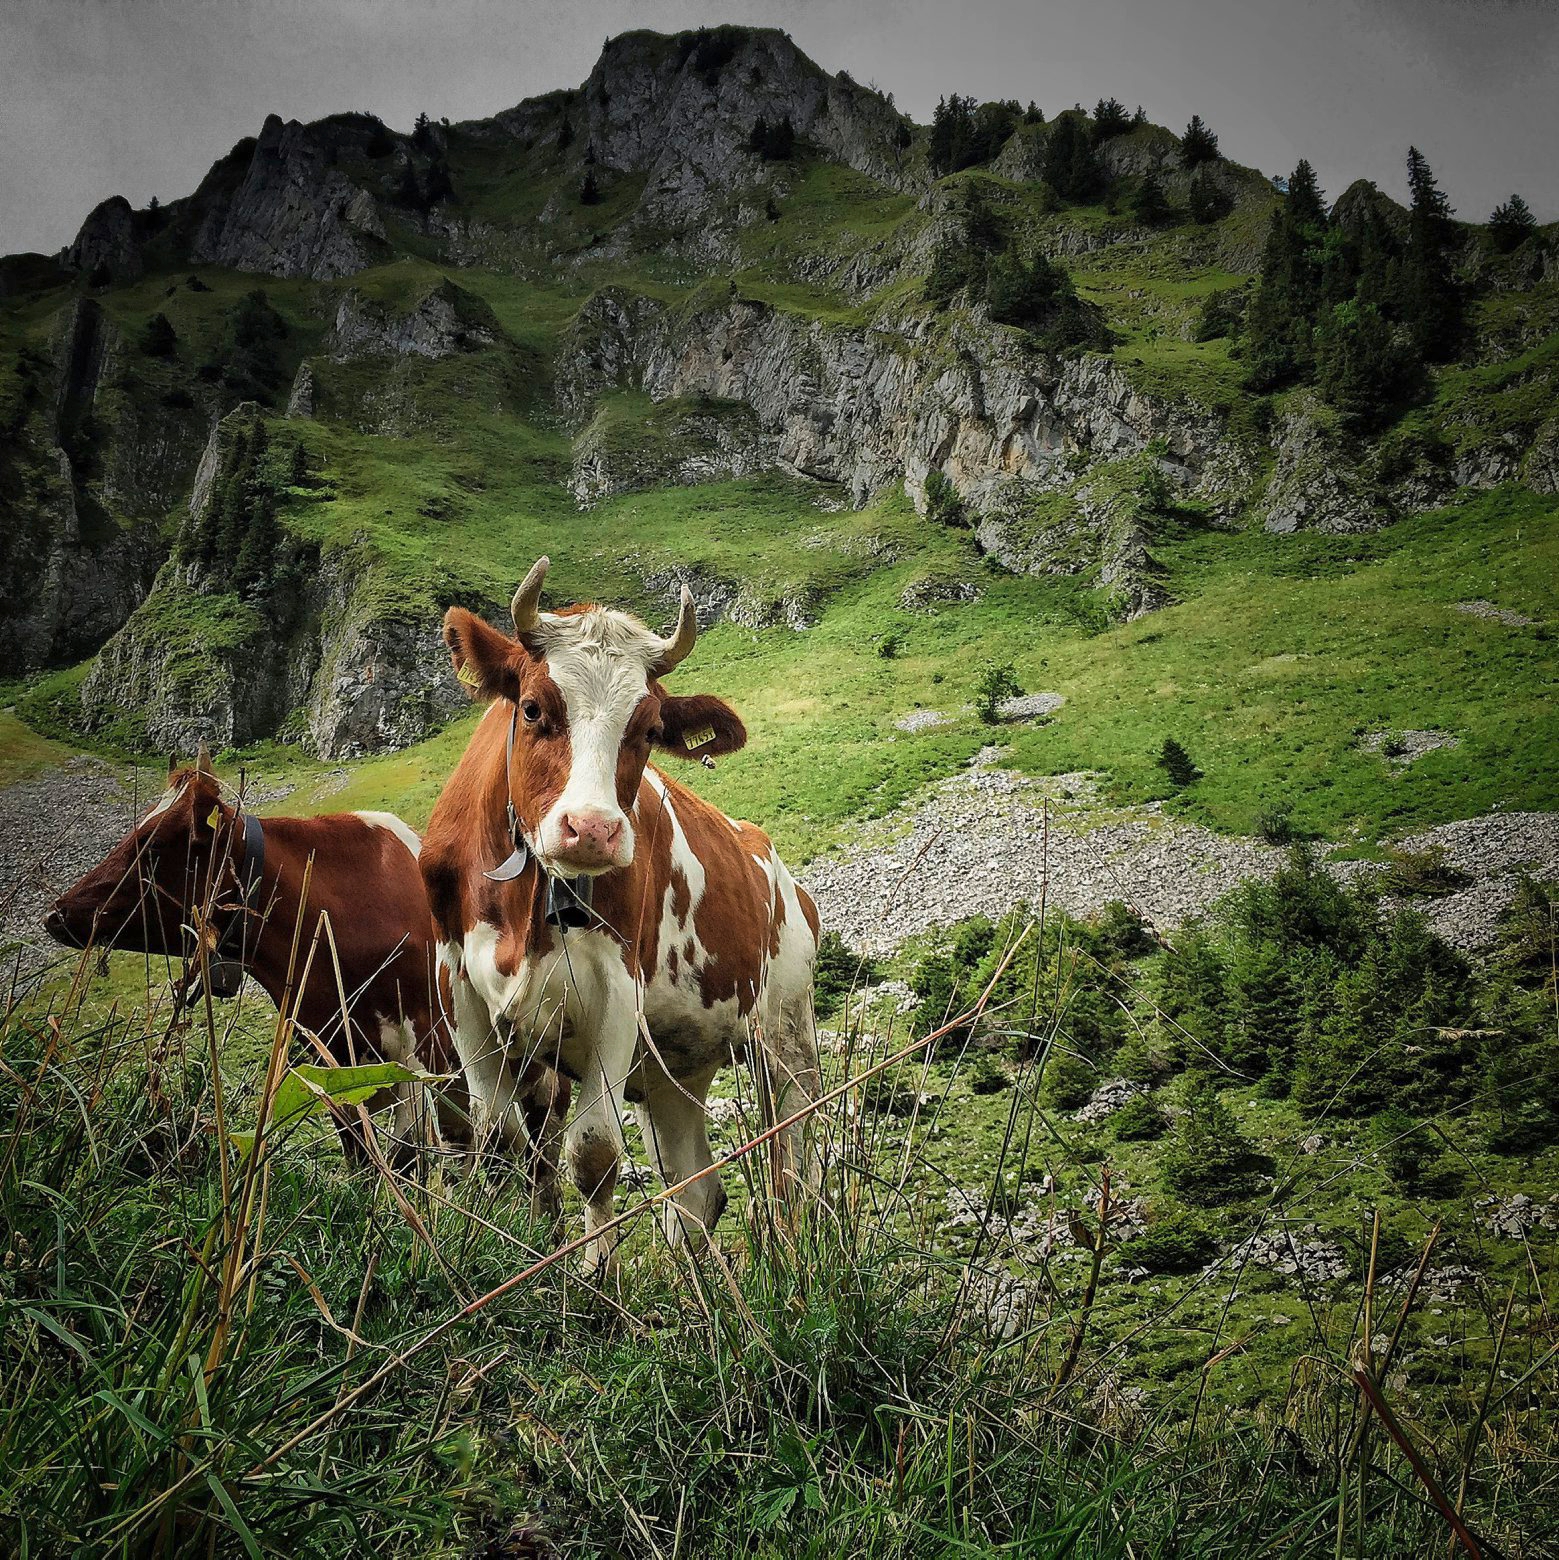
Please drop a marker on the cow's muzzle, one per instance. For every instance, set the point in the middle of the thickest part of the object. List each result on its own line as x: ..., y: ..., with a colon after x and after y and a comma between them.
x: 590, y: 841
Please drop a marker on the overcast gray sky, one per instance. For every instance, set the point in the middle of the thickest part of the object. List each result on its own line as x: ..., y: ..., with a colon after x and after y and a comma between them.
x: 139, y: 97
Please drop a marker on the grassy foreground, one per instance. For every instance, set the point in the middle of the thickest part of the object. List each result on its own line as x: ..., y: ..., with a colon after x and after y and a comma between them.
x: 205, y: 1350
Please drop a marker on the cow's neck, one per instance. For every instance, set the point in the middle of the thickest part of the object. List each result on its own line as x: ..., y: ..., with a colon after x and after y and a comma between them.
x: 267, y: 953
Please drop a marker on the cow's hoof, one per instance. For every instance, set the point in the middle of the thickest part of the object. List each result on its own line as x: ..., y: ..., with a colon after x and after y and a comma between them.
x: 597, y: 1266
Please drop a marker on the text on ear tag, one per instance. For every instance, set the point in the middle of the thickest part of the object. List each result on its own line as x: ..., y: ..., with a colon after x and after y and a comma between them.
x: 465, y: 674
x: 215, y: 818
x: 696, y: 739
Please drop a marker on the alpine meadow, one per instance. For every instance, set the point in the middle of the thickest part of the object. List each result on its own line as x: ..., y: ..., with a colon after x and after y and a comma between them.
x: 1105, y: 1102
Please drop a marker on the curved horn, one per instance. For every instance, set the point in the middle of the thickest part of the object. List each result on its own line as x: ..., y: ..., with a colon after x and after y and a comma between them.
x: 527, y: 598
x: 203, y: 760
x: 676, y: 648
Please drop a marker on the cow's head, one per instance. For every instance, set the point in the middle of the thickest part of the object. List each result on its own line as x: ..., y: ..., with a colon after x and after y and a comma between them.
x: 585, y: 684
x: 141, y: 894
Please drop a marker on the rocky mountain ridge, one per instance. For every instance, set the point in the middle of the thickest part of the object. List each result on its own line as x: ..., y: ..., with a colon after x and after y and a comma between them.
x: 768, y: 306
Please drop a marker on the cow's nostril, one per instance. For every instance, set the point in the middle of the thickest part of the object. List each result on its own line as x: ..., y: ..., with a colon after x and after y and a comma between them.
x: 591, y: 832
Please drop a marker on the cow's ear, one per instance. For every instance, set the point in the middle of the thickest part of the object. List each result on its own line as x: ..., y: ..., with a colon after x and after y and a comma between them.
x: 486, y: 662
x: 698, y: 725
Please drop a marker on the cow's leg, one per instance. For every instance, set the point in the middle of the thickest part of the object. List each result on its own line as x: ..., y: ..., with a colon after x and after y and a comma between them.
x: 546, y: 1096
x: 794, y: 1078
x: 594, y: 1142
x: 483, y: 1047
x: 676, y: 1133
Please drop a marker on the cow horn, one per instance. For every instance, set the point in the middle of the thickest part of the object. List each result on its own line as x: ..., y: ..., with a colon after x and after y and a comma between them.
x: 203, y: 760
x: 527, y: 598
x: 676, y: 648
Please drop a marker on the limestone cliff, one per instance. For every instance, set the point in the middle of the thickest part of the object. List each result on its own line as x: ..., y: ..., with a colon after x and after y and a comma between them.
x: 325, y: 655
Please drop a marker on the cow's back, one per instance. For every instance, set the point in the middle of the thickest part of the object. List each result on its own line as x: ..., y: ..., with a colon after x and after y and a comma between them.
x: 720, y: 934
x: 365, y: 876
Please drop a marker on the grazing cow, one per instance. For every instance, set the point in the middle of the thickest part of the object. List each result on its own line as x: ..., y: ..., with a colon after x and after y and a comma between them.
x: 193, y: 851
x: 601, y: 918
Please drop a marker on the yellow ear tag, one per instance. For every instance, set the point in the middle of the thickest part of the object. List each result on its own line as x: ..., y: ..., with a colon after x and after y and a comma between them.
x: 464, y: 674
x: 215, y: 818
x: 696, y: 739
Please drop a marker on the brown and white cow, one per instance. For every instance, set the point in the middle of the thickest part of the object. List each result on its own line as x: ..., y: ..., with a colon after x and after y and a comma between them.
x: 196, y: 851
x: 696, y: 946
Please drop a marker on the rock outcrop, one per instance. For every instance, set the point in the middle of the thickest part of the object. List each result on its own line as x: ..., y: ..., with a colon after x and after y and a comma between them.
x: 335, y: 670
x: 870, y: 405
x: 107, y: 243
x: 867, y: 406
x: 681, y: 110
x: 444, y: 320
x: 328, y: 653
x: 292, y: 213
x: 85, y: 478
x: 1319, y: 482
x: 677, y: 442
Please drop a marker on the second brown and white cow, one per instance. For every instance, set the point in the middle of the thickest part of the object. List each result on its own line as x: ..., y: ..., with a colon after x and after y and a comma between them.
x: 599, y: 917
x: 198, y: 858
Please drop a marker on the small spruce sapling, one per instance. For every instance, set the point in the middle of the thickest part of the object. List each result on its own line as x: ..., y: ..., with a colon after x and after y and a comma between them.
x: 1177, y: 764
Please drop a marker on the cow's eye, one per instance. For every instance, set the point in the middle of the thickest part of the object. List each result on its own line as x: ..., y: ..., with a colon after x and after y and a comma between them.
x: 531, y: 710
x: 657, y: 734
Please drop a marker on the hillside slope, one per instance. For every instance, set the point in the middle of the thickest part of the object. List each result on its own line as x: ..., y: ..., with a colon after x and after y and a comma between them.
x: 260, y: 437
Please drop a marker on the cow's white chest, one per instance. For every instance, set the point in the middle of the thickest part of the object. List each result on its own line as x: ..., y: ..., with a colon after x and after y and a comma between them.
x: 554, y: 1000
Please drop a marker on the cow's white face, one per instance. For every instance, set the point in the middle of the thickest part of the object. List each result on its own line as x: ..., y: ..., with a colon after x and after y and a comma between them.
x: 582, y: 689
x: 600, y: 663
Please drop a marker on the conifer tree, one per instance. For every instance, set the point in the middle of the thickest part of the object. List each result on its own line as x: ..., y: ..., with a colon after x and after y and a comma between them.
x: 1198, y: 145
x: 1149, y: 205
x: 1511, y: 224
x: 1207, y: 202
x: 1429, y: 299
x: 952, y: 133
x: 256, y: 560
x: 1280, y: 323
x: 1177, y: 763
x: 1110, y: 119
x: 159, y: 338
x: 1069, y: 166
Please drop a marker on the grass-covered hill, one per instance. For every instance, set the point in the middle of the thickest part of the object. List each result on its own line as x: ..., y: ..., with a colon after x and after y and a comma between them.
x: 1212, y: 1240
x: 978, y: 392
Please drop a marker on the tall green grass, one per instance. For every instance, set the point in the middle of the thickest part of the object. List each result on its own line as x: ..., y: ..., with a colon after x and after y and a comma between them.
x: 205, y: 1351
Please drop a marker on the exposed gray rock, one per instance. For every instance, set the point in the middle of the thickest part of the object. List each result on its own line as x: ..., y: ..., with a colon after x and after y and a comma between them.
x: 444, y: 320
x: 1108, y: 1098
x: 1487, y: 609
x: 869, y: 406
x: 679, y: 442
x: 982, y: 841
x: 922, y: 720
x: 1492, y: 463
x: 1303, y: 1254
x: 99, y: 469
x: 327, y: 661
x: 987, y: 839
x: 681, y: 115
x: 1540, y: 469
x: 1030, y: 706
x: 1400, y: 748
x: 1318, y: 483
x: 1493, y: 851
x: 931, y: 592
x: 300, y: 399
x: 293, y: 212
x: 107, y: 239
x: 1517, y: 1216
x: 1100, y: 528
